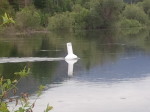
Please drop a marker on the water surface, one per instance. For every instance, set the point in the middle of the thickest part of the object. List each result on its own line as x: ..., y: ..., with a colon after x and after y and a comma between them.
x: 112, y: 74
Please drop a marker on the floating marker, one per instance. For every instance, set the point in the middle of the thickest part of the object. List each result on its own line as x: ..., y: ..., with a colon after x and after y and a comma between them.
x: 70, y: 55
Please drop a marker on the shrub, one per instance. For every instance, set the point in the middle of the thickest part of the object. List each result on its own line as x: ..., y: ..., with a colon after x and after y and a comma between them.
x: 80, y: 16
x: 136, y: 13
x: 61, y: 21
x: 129, y: 23
x: 8, y: 92
x: 28, y: 18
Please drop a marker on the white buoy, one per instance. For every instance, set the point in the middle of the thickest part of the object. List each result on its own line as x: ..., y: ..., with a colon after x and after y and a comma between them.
x: 70, y: 55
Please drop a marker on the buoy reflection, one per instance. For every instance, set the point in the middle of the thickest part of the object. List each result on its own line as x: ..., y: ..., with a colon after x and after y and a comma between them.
x: 71, y: 66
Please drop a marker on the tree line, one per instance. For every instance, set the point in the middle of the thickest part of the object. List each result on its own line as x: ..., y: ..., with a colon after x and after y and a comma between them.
x: 76, y: 14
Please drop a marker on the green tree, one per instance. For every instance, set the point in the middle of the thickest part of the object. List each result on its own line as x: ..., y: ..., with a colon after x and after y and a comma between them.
x: 136, y: 13
x: 40, y: 4
x: 83, y: 3
x: 18, y: 4
x: 14, y: 4
x: 80, y: 15
x: 129, y: 23
x: 146, y: 6
x: 53, y: 6
x: 104, y: 13
x: 28, y: 18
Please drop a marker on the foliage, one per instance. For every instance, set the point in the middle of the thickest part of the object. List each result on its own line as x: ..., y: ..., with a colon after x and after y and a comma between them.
x: 61, y: 21
x: 136, y: 13
x: 14, y: 4
x: 52, y: 6
x: 104, y: 13
x: 5, y: 86
x: 44, y: 19
x: 23, y: 73
x: 28, y: 18
x: 40, y: 3
x: 5, y: 8
x: 129, y: 23
x: 22, y: 104
x: 7, y: 19
x: 146, y: 6
x: 48, y: 108
x: 131, y: 31
x: 80, y: 16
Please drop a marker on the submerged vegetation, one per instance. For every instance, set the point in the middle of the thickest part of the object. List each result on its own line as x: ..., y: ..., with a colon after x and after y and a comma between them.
x: 76, y: 14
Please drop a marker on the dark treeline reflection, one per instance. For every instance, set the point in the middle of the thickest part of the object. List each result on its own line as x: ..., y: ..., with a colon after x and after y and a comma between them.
x: 93, y: 47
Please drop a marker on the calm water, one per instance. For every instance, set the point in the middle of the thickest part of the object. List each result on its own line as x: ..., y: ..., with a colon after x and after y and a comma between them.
x: 112, y: 74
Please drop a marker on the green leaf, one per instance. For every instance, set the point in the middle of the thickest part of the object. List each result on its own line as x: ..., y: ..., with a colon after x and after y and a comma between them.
x: 7, y: 19
x: 3, y: 107
x: 23, y: 73
x: 8, y: 81
x: 48, y: 108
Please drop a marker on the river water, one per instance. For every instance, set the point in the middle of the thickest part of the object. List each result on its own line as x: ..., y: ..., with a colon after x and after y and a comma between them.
x: 112, y: 74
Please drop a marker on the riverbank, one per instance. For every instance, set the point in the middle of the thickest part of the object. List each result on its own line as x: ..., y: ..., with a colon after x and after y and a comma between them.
x: 83, y: 15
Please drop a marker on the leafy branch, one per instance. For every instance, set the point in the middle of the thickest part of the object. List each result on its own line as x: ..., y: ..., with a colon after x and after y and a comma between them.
x: 22, y: 103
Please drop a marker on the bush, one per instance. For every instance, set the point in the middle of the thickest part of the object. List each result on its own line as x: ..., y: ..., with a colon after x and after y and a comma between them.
x: 129, y: 23
x: 69, y: 20
x: 80, y: 16
x: 61, y: 21
x: 136, y: 13
x: 28, y: 18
